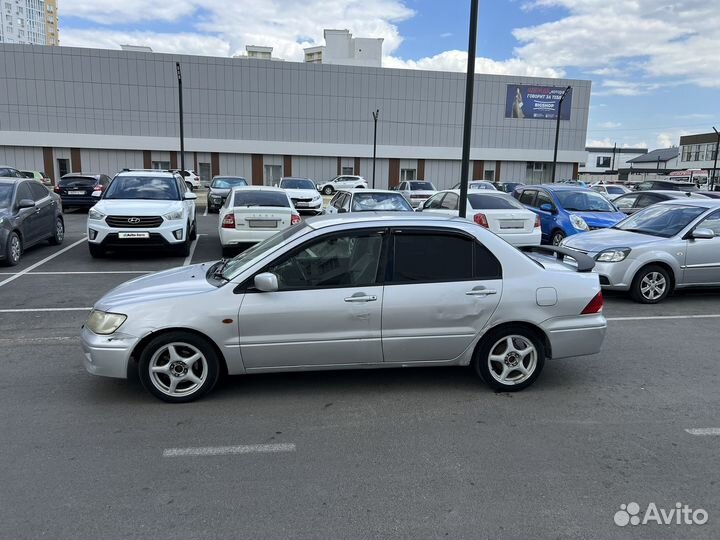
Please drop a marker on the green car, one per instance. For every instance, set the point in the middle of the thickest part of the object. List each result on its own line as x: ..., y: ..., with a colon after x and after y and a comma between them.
x: 39, y: 176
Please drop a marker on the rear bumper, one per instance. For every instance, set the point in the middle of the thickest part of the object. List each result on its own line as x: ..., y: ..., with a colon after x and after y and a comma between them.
x: 107, y: 356
x: 575, y: 336
x: 523, y: 239
x: 232, y: 237
x: 78, y: 202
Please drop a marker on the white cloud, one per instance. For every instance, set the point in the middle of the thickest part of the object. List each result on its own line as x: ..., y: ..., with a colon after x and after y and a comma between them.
x: 446, y: 34
x: 169, y: 43
x: 609, y: 143
x: 666, y: 139
x: 610, y: 125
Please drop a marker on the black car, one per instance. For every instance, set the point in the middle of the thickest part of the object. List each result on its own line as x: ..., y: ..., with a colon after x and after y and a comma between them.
x: 76, y: 189
x: 220, y: 188
x: 29, y: 214
x: 507, y: 187
x: 666, y: 185
x: 637, y: 200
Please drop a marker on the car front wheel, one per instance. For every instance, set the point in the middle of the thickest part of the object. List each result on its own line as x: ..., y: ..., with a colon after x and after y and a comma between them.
x: 178, y: 367
x: 59, y: 233
x: 651, y: 285
x: 557, y: 237
x: 510, y: 359
x: 328, y: 190
x: 13, y: 249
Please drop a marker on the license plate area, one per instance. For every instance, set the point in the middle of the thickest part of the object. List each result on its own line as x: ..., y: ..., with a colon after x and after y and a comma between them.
x: 512, y: 224
x: 262, y: 223
x: 74, y: 192
x: 133, y: 235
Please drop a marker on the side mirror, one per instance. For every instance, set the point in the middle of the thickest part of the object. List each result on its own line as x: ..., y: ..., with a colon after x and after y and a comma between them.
x: 547, y: 207
x: 96, y: 194
x: 266, y: 282
x: 189, y: 196
x: 26, y: 203
x: 703, y: 234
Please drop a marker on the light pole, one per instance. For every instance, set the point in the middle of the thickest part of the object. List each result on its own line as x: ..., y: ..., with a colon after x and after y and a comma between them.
x: 469, y: 89
x: 182, y: 133
x: 557, y: 132
x: 375, y: 114
x: 717, y: 144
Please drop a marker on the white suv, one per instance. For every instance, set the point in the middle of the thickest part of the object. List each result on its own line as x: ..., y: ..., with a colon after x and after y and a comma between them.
x: 342, y: 182
x: 192, y: 180
x: 143, y: 208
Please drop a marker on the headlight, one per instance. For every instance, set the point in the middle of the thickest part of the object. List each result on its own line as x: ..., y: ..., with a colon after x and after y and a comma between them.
x: 612, y: 255
x: 104, y: 323
x: 177, y: 214
x: 95, y: 214
x: 579, y: 223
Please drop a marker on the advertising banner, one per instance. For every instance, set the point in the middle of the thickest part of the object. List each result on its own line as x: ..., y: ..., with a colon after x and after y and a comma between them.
x: 529, y: 101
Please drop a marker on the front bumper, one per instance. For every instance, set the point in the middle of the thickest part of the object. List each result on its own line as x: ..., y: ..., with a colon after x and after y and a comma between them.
x: 308, y: 206
x: 215, y: 202
x: 99, y: 233
x: 107, y: 356
x: 575, y: 336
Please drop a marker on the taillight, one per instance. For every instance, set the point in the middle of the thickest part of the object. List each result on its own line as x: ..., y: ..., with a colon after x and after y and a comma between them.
x: 294, y: 219
x: 228, y: 221
x: 537, y: 222
x: 481, y: 220
x: 56, y: 189
x: 595, y: 305
x: 98, y: 188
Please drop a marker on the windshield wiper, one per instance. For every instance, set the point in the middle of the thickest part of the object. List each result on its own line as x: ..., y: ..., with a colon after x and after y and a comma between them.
x: 216, y: 270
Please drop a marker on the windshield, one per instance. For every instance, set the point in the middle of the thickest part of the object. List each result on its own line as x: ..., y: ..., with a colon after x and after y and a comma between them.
x: 260, y: 198
x: 228, y: 182
x: 297, y: 183
x: 77, y: 181
x: 373, y: 202
x: 143, y: 187
x: 5, y: 194
x: 248, y: 257
x: 482, y: 185
x: 616, y: 190
x: 424, y: 186
x: 664, y: 220
x: 493, y: 202
x: 583, y: 201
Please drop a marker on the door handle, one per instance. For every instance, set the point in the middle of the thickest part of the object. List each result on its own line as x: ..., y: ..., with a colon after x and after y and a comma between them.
x: 481, y: 291
x: 361, y: 298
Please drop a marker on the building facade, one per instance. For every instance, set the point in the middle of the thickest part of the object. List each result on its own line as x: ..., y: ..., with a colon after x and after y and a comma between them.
x: 65, y: 110
x: 699, y: 151
x: 30, y: 22
x: 343, y: 49
x: 609, y: 159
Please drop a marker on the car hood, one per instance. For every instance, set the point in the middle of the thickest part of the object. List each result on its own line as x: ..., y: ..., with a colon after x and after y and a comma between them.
x: 125, y: 207
x: 183, y: 281
x: 600, y: 219
x: 220, y: 192
x: 302, y: 193
x: 596, y: 241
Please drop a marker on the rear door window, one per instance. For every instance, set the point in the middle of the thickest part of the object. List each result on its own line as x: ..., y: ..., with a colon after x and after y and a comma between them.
x: 247, y: 198
x: 543, y: 198
x: 450, y: 202
x: 23, y: 192
x: 626, y: 201
x: 39, y: 192
x: 528, y: 197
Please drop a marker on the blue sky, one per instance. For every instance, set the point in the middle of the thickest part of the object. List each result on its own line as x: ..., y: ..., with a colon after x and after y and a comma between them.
x: 653, y: 71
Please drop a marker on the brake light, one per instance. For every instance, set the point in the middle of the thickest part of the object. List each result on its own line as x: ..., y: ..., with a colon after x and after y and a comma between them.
x: 294, y: 219
x: 228, y: 221
x: 537, y: 222
x: 98, y: 188
x: 481, y: 220
x: 56, y: 189
x: 595, y: 305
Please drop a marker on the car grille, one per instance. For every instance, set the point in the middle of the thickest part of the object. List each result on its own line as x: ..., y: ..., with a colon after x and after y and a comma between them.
x: 294, y: 200
x: 134, y: 222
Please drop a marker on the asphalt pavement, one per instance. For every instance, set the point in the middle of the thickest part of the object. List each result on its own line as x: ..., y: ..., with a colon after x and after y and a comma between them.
x: 401, y: 453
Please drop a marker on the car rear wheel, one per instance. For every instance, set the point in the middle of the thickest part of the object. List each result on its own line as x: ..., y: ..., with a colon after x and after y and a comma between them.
x: 510, y: 359
x: 59, y: 233
x: 178, y: 367
x: 651, y: 285
x: 13, y: 249
x: 557, y: 237
x: 328, y: 190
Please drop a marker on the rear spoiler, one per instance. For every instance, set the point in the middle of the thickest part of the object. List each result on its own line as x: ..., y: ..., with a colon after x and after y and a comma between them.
x: 584, y: 263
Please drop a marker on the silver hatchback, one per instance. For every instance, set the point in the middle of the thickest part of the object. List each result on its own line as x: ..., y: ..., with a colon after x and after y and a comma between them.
x: 364, y: 290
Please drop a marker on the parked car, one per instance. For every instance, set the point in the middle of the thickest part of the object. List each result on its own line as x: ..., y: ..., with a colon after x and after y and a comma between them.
x: 10, y: 172
x: 77, y: 189
x: 143, y: 208
x: 494, y: 210
x: 665, y: 185
x: 637, y: 200
x: 507, y: 187
x: 367, y: 200
x: 220, y: 188
x: 478, y: 184
x: 254, y: 213
x: 416, y: 191
x: 610, y: 191
x: 39, y: 176
x: 673, y: 244
x: 569, y: 182
x: 363, y: 290
x: 29, y: 214
x: 344, y: 181
x: 192, y: 180
x: 303, y: 194
x: 565, y: 210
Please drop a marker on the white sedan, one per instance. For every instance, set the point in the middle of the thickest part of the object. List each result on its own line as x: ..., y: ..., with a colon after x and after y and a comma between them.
x: 494, y: 210
x: 253, y: 213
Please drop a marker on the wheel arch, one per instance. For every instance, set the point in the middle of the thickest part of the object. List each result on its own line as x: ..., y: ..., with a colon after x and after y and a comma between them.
x: 664, y: 265
x: 533, y: 328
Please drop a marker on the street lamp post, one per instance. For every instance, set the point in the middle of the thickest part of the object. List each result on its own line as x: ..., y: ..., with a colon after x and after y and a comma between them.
x: 376, y: 114
x: 557, y: 132
x: 182, y: 130
x: 469, y: 89
x: 717, y: 144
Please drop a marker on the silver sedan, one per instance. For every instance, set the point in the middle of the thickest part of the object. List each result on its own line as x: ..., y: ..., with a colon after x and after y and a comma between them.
x: 670, y: 245
x: 363, y: 290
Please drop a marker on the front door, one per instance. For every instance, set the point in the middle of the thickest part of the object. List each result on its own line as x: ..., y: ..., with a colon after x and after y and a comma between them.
x: 28, y: 218
x: 44, y: 207
x: 702, y: 256
x: 441, y: 290
x: 327, y: 311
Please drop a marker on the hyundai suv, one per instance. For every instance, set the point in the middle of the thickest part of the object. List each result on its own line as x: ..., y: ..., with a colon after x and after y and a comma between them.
x: 143, y: 208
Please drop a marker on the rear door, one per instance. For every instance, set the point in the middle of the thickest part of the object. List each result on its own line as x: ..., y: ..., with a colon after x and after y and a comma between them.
x: 441, y: 288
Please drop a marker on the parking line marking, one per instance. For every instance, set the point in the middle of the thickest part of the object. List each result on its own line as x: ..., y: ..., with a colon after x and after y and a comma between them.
x: 704, y: 431
x: 206, y: 212
x: 188, y: 259
x: 664, y: 317
x: 36, y: 340
x: 40, y: 263
x: 34, y: 310
x: 228, y: 450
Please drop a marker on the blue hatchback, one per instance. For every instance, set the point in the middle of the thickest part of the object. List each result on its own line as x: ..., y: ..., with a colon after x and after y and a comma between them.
x: 565, y: 210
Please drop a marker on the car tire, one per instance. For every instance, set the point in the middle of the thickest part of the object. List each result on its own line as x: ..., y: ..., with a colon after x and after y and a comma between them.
x: 502, y: 351
x: 178, y: 367
x: 193, y: 231
x: 328, y: 190
x: 96, y: 252
x: 556, y: 237
x: 651, y: 285
x: 183, y: 250
x: 13, y: 249
x: 190, y: 186
x: 59, y: 235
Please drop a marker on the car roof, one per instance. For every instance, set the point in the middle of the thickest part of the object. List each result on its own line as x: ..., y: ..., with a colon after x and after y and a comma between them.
x: 371, y: 218
x: 361, y: 190
x: 259, y: 188
x: 703, y: 202
x: 143, y: 172
x: 675, y: 193
x: 92, y: 174
x: 11, y: 179
x: 491, y: 192
x: 559, y: 187
x: 295, y: 178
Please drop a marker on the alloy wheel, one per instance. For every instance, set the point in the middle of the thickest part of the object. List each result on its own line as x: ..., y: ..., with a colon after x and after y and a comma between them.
x: 15, y: 249
x: 512, y: 360
x: 653, y: 285
x: 178, y: 369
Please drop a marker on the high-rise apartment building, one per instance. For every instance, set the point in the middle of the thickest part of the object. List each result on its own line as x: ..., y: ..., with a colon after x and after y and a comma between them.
x: 342, y: 48
x: 32, y: 22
